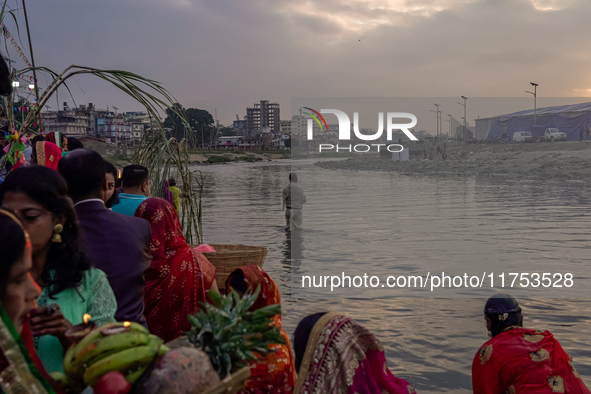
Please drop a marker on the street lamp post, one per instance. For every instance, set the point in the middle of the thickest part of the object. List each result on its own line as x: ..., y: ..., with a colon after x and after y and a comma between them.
x: 450, y: 134
x: 448, y: 121
x: 436, y: 121
x: 465, y: 118
x: 535, y: 94
x: 438, y: 117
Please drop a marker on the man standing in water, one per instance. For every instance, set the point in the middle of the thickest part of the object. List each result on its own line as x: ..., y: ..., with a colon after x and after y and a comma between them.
x: 293, y: 201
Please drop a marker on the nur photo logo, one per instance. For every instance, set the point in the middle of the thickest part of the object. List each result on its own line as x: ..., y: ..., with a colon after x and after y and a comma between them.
x: 345, y: 125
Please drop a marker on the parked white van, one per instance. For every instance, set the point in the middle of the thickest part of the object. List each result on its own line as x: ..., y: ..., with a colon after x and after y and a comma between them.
x: 522, y: 136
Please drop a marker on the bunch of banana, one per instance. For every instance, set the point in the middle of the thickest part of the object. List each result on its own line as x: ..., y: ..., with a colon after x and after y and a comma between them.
x: 113, y: 347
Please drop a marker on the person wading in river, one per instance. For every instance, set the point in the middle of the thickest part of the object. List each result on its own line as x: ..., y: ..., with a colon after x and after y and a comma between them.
x: 293, y: 201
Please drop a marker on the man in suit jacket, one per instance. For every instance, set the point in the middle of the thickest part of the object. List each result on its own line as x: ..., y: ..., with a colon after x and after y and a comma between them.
x: 118, y: 244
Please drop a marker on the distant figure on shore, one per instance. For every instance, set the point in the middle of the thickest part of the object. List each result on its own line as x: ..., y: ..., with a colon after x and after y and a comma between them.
x: 293, y: 201
x: 520, y: 360
x: 136, y: 188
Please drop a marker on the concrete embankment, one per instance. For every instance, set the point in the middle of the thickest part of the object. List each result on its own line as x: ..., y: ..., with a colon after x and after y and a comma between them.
x: 567, y: 160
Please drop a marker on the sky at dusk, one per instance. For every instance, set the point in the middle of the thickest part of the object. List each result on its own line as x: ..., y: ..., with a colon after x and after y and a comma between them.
x: 230, y: 54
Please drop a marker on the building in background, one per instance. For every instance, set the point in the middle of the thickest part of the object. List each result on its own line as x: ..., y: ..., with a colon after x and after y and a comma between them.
x: 567, y: 118
x: 261, y: 116
x: 88, y: 121
x: 75, y: 122
x: 285, y: 127
x: 115, y: 128
x: 239, y: 126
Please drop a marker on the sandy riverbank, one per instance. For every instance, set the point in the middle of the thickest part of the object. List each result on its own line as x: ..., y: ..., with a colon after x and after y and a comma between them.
x: 567, y: 160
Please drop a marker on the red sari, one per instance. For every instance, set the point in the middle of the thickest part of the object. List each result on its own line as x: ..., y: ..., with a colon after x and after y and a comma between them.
x: 178, y: 277
x: 48, y: 154
x: 523, y: 360
x: 343, y: 357
x: 274, y: 372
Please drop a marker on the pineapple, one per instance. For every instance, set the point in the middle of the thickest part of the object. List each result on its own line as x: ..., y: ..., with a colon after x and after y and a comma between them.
x: 230, y: 334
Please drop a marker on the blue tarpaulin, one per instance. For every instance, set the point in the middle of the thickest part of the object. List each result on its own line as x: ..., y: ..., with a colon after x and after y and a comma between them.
x: 567, y: 118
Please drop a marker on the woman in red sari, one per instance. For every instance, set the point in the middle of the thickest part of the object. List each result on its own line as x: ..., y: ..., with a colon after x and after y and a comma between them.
x: 274, y: 372
x: 178, y: 278
x: 57, y: 138
x: 47, y: 154
x: 521, y: 360
x: 337, y: 355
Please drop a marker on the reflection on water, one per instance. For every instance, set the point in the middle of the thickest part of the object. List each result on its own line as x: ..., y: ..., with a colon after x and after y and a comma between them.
x: 430, y: 342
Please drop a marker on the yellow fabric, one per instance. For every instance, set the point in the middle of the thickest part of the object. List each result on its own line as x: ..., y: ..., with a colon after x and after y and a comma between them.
x: 176, y: 197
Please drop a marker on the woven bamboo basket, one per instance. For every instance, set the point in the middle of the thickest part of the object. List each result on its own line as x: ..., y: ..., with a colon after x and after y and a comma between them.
x: 232, y: 384
x: 227, y: 258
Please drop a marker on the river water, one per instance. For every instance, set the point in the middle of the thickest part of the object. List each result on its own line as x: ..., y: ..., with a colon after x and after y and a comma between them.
x: 441, y: 223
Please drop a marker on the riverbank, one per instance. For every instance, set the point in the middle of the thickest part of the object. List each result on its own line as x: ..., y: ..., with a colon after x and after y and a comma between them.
x: 216, y: 157
x: 566, y: 160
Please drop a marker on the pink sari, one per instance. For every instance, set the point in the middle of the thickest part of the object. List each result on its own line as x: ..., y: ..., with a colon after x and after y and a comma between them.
x: 344, y: 357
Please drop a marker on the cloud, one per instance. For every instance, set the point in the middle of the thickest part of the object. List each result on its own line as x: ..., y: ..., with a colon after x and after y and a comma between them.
x: 229, y: 54
x: 552, y: 5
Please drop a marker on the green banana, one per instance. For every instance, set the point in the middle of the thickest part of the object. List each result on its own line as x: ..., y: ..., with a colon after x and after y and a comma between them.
x: 139, y: 328
x: 73, y: 350
x: 135, y: 375
x: 162, y: 351
x: 104, y: 347
x: 123, y: 361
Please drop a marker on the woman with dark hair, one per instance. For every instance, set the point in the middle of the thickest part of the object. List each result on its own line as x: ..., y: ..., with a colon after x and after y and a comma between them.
x: 342, y: 356
x: 74, y: 143
x: 178, y: 277
x: 274, y: 370
x: 21, y: 370
x: 110, y: 196
x: 71, y: 287
x: 34, y: 141
x: 520, y: 360
x: 301, y: 336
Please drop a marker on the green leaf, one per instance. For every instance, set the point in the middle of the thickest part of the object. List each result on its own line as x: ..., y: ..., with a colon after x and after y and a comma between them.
x: 215, y: 298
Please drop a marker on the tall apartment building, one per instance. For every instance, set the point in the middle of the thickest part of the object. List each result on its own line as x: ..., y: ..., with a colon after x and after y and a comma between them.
x: 262, y: 117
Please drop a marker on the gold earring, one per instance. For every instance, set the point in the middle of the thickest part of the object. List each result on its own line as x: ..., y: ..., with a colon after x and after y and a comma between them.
x: 57, y: 238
